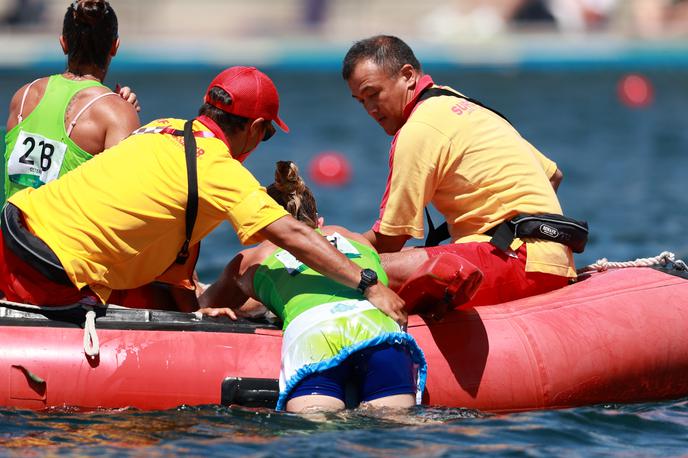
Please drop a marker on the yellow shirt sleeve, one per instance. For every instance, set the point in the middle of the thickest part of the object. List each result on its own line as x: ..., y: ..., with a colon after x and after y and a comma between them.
x: 233, y: 191
x: 547, y: 164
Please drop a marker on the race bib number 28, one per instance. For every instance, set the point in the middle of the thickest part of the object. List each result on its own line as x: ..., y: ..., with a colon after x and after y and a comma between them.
x: 35, y: 160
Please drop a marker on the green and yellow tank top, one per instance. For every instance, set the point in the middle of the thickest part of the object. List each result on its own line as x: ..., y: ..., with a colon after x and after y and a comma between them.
x: 38, y: 149
x: 288, y: 287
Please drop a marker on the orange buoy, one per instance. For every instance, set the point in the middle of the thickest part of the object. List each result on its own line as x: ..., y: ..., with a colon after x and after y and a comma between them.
x: 330, y: 169
x: 635, y: 91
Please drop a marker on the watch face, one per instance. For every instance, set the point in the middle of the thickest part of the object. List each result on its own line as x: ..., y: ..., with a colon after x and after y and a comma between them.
x: 368, y: 278
x: 369, y: 275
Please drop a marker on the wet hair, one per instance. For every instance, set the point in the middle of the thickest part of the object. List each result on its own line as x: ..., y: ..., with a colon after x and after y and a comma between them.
x: 90, y: 29
x: 388, y: 52
x: 290, y: 191
x: 229, y: 123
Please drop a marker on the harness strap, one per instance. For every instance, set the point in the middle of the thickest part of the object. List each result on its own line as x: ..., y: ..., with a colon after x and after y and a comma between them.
x: 191, y: 173
x: 192, y: 180
x: 86, y: 107
x: 20, y: 117
x: 502, y: 235
x: 435, y: 235
x: 437, y: 91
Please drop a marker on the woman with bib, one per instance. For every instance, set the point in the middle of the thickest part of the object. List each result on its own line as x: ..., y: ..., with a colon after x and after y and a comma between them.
x: 333, y: 337
x: 58, y: 122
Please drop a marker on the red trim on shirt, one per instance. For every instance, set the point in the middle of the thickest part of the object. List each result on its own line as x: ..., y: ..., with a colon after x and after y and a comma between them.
x: 214, y: 128
x: 422, y: 84
x: 385, y: 196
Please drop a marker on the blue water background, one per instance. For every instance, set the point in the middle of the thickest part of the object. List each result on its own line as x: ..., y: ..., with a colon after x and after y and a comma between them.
x: 624, y: 173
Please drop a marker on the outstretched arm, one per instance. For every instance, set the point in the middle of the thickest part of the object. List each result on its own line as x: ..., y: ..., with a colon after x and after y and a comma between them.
x: 234, y: 288
x: 386, y: 243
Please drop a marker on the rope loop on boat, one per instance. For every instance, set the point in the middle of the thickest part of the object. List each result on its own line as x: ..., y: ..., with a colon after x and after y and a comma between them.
x: 91, y: 342
x: 662, y: 259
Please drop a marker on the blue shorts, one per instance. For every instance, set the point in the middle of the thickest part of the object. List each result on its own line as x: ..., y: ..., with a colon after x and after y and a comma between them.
x: 376, y: 372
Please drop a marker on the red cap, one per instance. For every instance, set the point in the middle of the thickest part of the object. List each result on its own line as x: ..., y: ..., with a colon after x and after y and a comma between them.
x: 254, y: 95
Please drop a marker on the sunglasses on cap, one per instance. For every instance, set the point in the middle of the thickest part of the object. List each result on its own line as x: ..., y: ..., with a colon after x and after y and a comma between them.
x: 269, y: 131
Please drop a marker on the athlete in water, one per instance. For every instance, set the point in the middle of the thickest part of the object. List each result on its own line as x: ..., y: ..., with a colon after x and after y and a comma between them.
x: 332, y: 334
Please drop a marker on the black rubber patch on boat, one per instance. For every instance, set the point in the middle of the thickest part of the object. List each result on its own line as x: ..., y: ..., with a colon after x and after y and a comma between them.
x: 675, y: 271
x: 250, y: 392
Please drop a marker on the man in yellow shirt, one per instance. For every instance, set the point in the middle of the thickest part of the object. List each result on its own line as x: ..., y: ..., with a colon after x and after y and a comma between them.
x: 118, y: 222
x: 466, y: 160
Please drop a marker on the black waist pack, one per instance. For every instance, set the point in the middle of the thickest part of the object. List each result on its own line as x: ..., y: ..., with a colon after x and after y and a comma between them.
x: 30, y: 248
x: 545, y: 226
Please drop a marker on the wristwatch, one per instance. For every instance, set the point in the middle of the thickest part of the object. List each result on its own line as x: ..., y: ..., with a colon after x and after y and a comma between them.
x: 368, y: 278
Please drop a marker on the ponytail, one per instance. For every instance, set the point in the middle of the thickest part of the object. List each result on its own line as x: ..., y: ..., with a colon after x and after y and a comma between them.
x: 290, y: 191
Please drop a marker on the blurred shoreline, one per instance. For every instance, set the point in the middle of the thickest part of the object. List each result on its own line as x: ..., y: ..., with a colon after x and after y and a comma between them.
x: 315, y: 34
x: 530, y: 51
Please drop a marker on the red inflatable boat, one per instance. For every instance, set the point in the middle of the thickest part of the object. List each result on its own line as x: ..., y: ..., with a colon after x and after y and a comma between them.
x: 617, y: 336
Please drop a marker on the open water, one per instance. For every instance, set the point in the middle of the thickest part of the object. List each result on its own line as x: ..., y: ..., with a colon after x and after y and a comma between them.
x: 624, y: 172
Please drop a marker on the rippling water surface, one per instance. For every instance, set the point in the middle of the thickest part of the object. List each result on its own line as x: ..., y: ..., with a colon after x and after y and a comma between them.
x: 631, y: 430
x: 624, y: 172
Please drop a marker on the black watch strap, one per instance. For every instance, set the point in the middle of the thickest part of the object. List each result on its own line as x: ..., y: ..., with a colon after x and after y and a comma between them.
x: 368, y: 278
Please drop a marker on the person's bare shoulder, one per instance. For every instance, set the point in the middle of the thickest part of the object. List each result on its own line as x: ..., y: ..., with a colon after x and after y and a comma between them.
x: 32, y: 98
x: 115, y: 111
x: 112, y: 117
x: 258, y: 253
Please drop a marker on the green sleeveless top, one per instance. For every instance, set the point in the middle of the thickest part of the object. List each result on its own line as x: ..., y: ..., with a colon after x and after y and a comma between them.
x: 288, y: 287
x: 38, y: 148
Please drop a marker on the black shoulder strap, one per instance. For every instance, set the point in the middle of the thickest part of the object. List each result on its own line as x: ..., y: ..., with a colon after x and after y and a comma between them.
x: 437, y: 91
x: 192, y: 179
x: 441, y: 233
x: 435, y: 235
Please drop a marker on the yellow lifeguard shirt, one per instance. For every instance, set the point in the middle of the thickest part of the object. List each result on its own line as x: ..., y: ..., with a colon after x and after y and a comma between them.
x: 476, y: 169
x: 118, y: 221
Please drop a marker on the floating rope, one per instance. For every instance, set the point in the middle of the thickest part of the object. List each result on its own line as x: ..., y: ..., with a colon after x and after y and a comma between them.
x: 662, y: 259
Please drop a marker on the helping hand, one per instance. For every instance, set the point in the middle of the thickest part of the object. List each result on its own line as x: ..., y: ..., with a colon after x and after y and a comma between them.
x: 128, y: 95
x: 387, y: 301
x: 220, y: 311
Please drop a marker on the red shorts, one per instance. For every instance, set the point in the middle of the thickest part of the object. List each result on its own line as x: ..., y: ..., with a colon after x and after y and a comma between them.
x: 20, y: 282
x: 504, y: 276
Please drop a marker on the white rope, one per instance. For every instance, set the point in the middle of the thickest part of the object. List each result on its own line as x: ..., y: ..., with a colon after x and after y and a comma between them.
x: 91, y: 342
x: 662, y: 259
